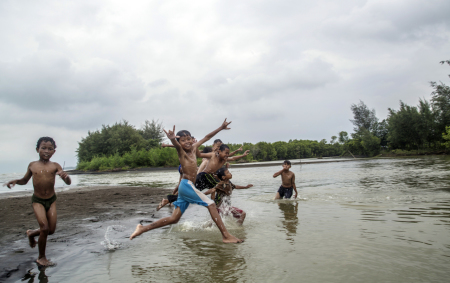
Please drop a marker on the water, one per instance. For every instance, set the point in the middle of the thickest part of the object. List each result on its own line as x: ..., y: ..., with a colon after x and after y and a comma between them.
x: 383, y: 220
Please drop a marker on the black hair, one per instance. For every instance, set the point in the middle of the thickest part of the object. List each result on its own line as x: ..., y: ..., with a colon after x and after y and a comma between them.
x: 207, y: 149
x: 223, y: 147
x: 218, y: 140
x: 287, y: 162
x: 221, y: 172
x: 183, y: 133
x: 45, y: 139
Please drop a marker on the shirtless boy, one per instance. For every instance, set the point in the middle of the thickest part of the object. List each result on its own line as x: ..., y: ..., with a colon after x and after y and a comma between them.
x: 287, y: 182
x: 43, y: 200
x: 206, y: 179
x: 225, y: 188
x: 187, y: 193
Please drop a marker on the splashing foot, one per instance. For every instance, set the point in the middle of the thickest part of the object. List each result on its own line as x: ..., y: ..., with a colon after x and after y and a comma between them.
x: 139, y: 230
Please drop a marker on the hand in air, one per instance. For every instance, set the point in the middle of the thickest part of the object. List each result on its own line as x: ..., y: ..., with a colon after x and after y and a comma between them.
x: 249, y: 186
x: 171, y: 134
x: 10, y: 184
x: 240, y: 149
x: 246, y: 152
x: 225, y: 124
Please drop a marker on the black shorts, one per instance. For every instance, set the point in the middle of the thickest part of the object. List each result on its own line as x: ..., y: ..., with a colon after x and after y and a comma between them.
x: 172, y: 198
x: 205, y: 181
x: 285, y: 192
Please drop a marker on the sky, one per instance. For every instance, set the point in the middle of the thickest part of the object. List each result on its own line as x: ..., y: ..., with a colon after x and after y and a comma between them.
x: 278, y: 70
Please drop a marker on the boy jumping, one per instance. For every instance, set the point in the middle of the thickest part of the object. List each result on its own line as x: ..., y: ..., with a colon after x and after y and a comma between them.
x: 287, y: 182
x: 187, y: 193
x: 43, y: 200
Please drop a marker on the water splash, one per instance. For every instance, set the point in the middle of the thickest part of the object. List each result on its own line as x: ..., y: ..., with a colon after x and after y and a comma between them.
x: 113, y: 232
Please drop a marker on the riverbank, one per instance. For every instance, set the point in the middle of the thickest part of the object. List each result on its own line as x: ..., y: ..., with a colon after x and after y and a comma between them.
x: 77, y: 208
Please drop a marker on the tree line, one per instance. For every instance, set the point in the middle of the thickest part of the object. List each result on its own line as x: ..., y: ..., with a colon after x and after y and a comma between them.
x: 425, y: 127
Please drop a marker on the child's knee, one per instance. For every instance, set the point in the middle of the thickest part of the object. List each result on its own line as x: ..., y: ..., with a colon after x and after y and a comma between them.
x: 44, y: 230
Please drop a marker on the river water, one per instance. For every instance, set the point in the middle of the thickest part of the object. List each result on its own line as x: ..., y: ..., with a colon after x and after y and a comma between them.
x: 377, y: 220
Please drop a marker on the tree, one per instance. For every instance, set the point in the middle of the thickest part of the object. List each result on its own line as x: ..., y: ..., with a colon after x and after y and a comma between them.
x: 363, y: 117
x: 440, y: 101
x: 153, y: 130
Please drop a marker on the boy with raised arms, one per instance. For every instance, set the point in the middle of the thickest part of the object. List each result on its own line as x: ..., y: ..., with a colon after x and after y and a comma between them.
x: 43, y: 200
x: 206, y: 179
x: 187, y: 193
x: 287, y: 182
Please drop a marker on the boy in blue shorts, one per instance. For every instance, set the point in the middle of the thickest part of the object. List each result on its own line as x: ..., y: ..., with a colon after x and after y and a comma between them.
x: 187, y: 193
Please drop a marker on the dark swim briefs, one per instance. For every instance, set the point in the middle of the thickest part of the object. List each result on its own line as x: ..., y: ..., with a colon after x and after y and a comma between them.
x: 46, y: 203
x: 285, y: 192
x: 172, y: 198
x: 205, y: 181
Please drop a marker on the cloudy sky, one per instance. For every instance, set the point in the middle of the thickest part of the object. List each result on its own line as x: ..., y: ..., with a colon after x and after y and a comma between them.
x: 279, y: 70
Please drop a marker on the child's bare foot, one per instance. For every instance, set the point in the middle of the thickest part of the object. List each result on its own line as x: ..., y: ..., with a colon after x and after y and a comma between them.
x: 31, y: 239
x: 139, y: 230
x: 231, y: 240
x: 43, y: 261
x: 162, y: 204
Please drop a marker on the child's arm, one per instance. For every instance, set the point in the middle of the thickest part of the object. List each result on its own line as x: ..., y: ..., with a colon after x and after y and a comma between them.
x: 172, y: 137
x: 210, y: 191
x: 63, y: 175
x: 175, y: 191
x: 204, y: 155
x: 239, y: 156
x: 209, y: 136
x: 22, y: 181
x: 279, y: 172
x: 163, y: 145
x: 234, y: 152
x: 243, y: 187
x: 293, y: 185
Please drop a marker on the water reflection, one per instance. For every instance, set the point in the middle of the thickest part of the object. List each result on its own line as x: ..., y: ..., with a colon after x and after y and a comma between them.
x: 30, y: 276
x: 290, y: 222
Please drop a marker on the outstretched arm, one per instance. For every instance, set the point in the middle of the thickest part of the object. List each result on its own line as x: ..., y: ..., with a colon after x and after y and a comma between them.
x: 234, y: 152
x: 204, y: 155
x: 209, y: 136
x: 239, y: 156
x: 63, y: 175
x: 22, y: 181
x: 172, y: 137
x: 243, y: 187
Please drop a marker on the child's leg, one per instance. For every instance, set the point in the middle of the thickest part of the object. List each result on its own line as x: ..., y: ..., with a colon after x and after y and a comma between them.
x: 226, y: 236
x: 176, y: 215
x: 43, y: 231
x: 239, y: 214
x: 277, y: 196
x: 162, y: 204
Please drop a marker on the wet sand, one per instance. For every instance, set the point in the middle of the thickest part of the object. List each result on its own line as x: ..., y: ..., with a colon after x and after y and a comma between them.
x: 75, y: 208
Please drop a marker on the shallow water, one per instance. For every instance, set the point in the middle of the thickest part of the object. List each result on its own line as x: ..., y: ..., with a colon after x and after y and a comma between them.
x: 383, y: 220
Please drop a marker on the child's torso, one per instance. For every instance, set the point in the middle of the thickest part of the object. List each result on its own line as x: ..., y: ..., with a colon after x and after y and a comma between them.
x: 43, y: 179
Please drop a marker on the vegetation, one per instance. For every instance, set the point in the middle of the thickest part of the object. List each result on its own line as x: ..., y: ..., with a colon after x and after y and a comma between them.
x: 409, y: 130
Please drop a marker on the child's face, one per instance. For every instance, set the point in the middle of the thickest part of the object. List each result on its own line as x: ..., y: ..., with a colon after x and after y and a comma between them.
x: 216, y: 146
x: 224, y: 154
x: 186, y: 142
x: 286, y: 166
x: 45, y: 150
x: 227, y: 175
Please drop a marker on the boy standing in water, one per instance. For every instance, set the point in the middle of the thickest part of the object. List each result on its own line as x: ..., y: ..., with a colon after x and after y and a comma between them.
x: 187, y: 193
x: 43, y: 200
x: 287, y: 182
x: 225, y: 188
x: 206, y: 179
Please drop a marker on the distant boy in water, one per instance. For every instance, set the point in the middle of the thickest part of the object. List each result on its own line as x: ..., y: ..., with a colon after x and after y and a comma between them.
x: 225, y: 188
x: 287, y: 182
x: 206, y: 179
x: 43, y: 200
x: 187, y: 193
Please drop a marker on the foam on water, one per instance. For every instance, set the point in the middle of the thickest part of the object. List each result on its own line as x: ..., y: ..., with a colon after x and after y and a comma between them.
x: 112, y: 234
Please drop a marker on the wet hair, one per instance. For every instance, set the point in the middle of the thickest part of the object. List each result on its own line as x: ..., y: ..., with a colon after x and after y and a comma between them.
x: 45, y: 139
x: 221, y: 172
x: 207, y: 149
x: 183, y: 133
x: 218, y: 140
x: 287, y: 162
x: 223, y: 147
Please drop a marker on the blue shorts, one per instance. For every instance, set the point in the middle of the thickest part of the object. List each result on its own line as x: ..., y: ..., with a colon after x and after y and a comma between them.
x: 187, y: 194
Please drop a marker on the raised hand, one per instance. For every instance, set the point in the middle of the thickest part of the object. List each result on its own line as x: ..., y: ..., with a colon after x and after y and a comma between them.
x: 239, y: 149
x: 225, y: 125
x: 246, y: 152
x: 249, y: 186
x: 171, y: 134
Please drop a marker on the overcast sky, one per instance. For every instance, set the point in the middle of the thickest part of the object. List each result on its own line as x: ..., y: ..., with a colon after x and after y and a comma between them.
x: 278, y: 70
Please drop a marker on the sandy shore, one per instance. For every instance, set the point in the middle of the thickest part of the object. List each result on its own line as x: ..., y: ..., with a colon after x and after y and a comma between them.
x: 100, y: 203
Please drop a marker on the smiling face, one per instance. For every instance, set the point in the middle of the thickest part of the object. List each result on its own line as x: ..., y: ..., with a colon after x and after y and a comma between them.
x: 186, y: 142
x: 224, y: 154
x: 45, y: 150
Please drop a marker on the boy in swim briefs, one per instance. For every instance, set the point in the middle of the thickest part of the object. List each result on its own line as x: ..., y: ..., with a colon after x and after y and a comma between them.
x: 287, y: 182
x: 225, y: 188
x: 206, y: 179
x: 187, y: 193
x: 43, y: 200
